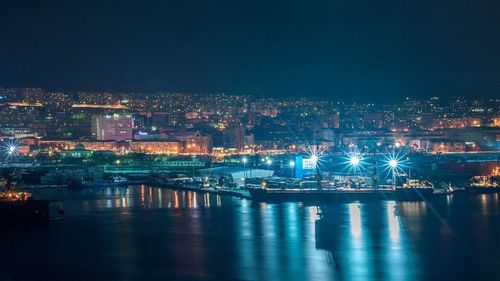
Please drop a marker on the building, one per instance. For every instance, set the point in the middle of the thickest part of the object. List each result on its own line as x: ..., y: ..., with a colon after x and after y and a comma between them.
x: 237, y: 176
x: 496, y: 122
x: 333, y: 121
x: 117, y: 127
x: 198, y: 144
x: 159, y: 120
x: 234, y: 137
x: 156, y: 147
x: 60, y: 145
x: 445, y: 146
x: 373, y: 120
x: 79, y: 152
x: 455, y: 123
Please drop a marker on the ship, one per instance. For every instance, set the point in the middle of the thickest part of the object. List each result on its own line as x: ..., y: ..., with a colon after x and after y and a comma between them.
x: 170, y: 181
x: 414, y: 190
x: 20, y: 208
x: 114, y: 181
x: 445, y: 189
x: 283, y: 191
x: 484, y: 184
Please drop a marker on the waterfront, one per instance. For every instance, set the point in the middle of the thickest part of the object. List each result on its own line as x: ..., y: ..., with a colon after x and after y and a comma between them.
x: 146, y: 233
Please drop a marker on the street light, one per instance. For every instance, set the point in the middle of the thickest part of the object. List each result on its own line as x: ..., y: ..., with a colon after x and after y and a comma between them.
x: 393, y: 164
x: 12, y: 149
x: 192, y: 163
x: 269, y: 162
x: 244, y: 160
x: 354, y: 160
x: 314, y: 159
x: 292, y: 165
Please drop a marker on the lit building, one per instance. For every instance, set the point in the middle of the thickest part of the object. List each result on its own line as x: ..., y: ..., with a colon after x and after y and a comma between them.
x: 156, y: 147
x: 447, y: 146
x: 60, y: 145
x: 198, y: 144
x: 117, y: 127
x: 455, y: 123
x: 496, y: 122
x: 79, y: 152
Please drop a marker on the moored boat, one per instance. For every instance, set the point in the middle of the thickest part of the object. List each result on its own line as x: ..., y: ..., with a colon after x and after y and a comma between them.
x: 484, y: 184
x: 414, y: 190
x: 282, y: 191
x: 320, y: 195
x: 114, y: 181
x: 21, y: 208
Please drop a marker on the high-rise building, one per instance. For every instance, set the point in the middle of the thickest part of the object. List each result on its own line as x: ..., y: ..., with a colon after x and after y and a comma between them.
x: 159, y: 120
x: 117, y: 127
x: 198, y: 144
x: 234, y: 137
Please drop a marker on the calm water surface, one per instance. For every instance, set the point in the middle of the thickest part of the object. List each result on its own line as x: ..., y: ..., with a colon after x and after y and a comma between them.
x: 145, y: 233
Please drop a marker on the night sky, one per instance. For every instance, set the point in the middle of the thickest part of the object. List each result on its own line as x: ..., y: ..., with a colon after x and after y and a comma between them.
x: 353, y: 49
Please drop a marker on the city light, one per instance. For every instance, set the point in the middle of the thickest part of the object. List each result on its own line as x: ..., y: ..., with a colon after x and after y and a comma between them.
x: 354, y: 160
x: 314, y: 158
x: 293, y: 140
x: 393, y: 163
x: 12, y: 149
x: 315, y: 154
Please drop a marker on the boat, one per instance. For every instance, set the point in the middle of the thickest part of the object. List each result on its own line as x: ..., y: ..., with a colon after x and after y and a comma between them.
x: 445, y: 189
x: 414, y: 190
x: 320, y: 195
x: 484, y: 184
x: 20, y: 208
x: 167, y: 181
x: 282, y: 191
x: 114, y: 181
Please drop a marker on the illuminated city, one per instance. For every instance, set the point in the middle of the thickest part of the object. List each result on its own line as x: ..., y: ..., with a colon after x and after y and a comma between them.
x: 162, y: 140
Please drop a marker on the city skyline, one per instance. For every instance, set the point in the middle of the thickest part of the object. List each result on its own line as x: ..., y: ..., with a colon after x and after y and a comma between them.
x: 249, y: 140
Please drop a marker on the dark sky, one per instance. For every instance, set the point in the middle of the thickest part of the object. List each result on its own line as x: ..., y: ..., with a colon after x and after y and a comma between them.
x: 354, y: 49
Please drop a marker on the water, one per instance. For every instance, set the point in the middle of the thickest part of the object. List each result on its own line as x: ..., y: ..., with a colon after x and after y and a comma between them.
x: 144, y: 233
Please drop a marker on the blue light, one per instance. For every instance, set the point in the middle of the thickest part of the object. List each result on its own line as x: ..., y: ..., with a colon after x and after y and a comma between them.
x: 354, y: 160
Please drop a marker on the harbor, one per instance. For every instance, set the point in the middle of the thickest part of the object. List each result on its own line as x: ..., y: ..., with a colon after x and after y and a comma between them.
x: 249, y: 140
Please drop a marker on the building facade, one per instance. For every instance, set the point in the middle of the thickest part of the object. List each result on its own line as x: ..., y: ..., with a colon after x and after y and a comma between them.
x: 117, y: 127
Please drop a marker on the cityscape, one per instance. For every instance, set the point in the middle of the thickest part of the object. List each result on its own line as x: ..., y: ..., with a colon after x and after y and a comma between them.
x: 249, y: 141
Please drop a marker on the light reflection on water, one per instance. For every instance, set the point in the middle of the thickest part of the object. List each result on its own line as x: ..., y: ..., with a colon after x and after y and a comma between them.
x: 151, y: 198
x: 189, y: 235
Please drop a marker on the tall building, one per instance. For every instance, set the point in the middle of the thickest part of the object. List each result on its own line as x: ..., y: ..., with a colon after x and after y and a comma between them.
x: 159, y: 120
x: 234, y: 137
x: 198, y: 144
x: 117, y: 127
